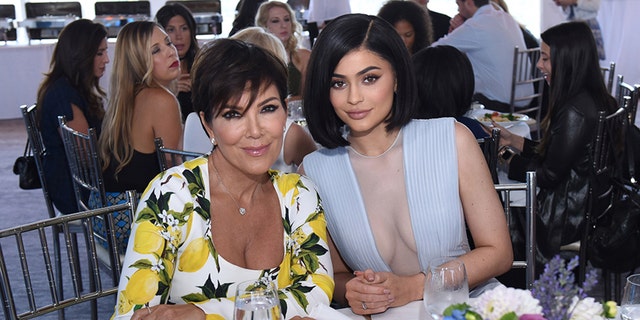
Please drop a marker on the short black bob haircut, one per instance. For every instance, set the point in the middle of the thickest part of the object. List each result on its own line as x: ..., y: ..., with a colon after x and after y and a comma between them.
x: 341, y: 36
x: 225, y: 68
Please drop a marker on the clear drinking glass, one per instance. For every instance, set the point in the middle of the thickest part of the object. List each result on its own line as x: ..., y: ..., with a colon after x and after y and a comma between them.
x: 445, y: 284
x: 630, y: 304
x: 257, y: 300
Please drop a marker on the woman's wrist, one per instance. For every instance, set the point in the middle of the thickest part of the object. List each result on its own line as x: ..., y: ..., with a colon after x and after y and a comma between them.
x: 419, y: 279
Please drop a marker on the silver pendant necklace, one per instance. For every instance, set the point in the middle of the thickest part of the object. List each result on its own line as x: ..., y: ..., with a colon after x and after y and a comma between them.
x: 241, y: 210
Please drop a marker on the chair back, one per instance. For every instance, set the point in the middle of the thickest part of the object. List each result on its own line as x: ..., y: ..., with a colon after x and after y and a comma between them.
x: 531, y: 211
x: 29, y: 114
x: 627, y: 90
x: 608, y: 74
x: 168, y: 158
x: 525, y: 72
x: 608, y: 134
x: 490, y: 146
x: 605, y: 157
x: 28, y: 285
x: 86, y: 174
x: 85, y: 166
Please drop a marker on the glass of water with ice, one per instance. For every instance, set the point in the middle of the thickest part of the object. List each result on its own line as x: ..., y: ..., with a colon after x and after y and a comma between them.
x: 630, y: 304
x: 446, y: 283
x: 257, y: 300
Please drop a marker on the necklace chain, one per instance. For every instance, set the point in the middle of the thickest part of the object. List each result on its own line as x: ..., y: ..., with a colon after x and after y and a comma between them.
x: 380, y: 155
x: 241, y: 210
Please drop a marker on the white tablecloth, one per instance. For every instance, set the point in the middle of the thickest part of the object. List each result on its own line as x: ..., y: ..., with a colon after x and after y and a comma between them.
x: 412, y: 310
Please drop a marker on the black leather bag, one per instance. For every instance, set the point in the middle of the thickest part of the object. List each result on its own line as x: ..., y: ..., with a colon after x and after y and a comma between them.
x: 614, y: 243
x: 25, y: 166
x: 615, y: 240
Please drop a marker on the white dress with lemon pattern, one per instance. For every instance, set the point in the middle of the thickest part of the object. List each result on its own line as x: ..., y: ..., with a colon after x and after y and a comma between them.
x: 171, y: 259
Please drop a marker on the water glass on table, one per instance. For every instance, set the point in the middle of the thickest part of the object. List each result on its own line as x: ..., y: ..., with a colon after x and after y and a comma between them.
x: 257, y: 300
x: 630, y: 304
x: 446, y: 283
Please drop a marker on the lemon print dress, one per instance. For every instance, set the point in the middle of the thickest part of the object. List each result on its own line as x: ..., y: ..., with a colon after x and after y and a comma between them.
x: 171, y: 259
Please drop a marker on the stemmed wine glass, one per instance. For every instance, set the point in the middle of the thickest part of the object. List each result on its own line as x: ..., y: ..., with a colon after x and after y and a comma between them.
x: 445, y: 284
x: 630, y: 304
x: 257, y: 300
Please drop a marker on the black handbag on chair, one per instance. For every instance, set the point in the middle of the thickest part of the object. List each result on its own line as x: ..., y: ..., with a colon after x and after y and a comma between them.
x: 615, y: 240
x: 614, y: 243
x: 26, y: 167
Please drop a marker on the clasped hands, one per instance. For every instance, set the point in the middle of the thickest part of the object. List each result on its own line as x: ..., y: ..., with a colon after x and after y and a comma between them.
x: 372, y: 292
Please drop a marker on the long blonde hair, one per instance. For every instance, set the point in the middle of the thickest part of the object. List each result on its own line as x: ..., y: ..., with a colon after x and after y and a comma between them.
x: 296, y: 29
x: 132, y: 72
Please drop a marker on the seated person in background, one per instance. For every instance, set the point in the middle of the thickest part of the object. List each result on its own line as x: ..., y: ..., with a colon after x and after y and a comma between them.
x: 562, y: 159
x: 488, y: 37
x: 297, y: 141
x: 445, y: 85
x: 218, y: 220
x: 278, y: 18
x: 529, y: 39
x: 397, y: 192
x: 179, y: 24
x: 439, y: 21
x: 141, y: 107
x: 410, y: 21
x: 245, y: 15
x: 71, y: 88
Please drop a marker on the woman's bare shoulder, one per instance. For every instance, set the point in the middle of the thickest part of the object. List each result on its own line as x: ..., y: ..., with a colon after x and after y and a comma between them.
x: 155, y: 97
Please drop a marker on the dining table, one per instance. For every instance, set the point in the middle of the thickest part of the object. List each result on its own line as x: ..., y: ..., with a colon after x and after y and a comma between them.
x: 412, y: 310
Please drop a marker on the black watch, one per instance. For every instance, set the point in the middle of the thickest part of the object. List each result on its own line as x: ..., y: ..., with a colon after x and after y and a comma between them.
x: 506, y: 153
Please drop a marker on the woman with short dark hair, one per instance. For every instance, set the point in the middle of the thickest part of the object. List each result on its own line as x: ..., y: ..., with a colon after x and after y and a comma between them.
x: 390, y: 185
x: 445, y: 85
x: 212, y: 222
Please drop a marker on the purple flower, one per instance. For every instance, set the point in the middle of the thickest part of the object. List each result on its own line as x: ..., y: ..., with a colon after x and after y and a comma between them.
x: 556, y: 288
x: 531, y: 317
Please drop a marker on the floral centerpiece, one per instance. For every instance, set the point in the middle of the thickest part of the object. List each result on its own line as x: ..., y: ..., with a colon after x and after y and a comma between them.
x: 554, y: 296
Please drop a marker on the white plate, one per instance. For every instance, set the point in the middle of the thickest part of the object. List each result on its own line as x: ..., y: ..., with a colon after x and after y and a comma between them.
x: 503, y: 119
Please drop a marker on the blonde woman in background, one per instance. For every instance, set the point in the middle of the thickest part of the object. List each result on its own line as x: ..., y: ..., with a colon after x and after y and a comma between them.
x: 278, y: 18
x: 297, y: 141
x: 141, y: 107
